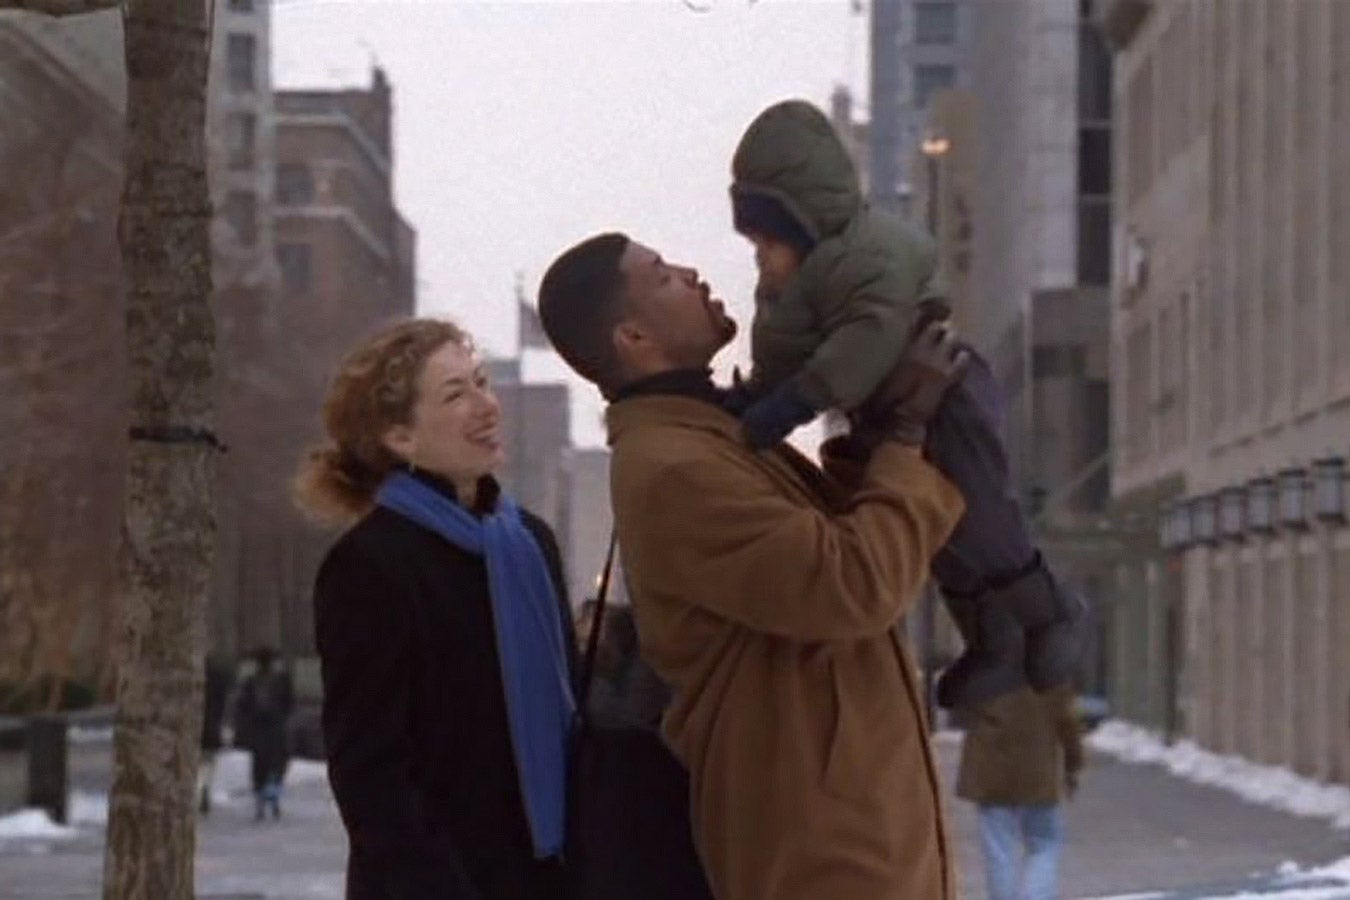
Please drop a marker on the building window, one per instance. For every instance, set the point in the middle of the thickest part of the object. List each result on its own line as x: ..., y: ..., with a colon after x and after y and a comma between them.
x: 929, y: 79
x: 241, y: 213
x: 1094, y: 241
x: 241, y: 62
x: 935, y: 23
x: 1139, y: 369
x: 1094, y: 75
x: 241, y: 5
x: 1059, y: 361
x: 241, y: 135
x: 296, y: 264
x: 295, y: 184
x: 1139, y: 131
x: 1094, y: 162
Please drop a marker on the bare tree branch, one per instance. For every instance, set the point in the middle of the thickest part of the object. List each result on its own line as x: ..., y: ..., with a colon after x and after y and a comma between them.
x: 60, y: 7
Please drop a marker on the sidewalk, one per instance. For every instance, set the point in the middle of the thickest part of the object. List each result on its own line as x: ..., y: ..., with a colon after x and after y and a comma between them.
x: 300, y: 857
x: 1135, y: 829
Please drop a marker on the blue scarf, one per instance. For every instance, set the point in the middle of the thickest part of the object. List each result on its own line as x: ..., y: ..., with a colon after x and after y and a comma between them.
x: 539, y: 704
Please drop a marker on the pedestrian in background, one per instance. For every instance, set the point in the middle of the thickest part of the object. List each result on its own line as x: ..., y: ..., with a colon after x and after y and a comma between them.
x: 265, y: 703
x: 219, y: 680
x: 1021, y: 759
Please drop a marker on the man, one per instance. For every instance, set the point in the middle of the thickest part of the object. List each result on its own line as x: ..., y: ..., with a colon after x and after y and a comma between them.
x: 1022, y: 755
x: 766, y: 594
x: 264, y: 707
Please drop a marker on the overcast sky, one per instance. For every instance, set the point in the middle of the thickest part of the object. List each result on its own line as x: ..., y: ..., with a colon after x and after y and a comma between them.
x: 523, y: 127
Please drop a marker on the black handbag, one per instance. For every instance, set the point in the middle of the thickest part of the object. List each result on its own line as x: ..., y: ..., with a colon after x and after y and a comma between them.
x: 628, y: 820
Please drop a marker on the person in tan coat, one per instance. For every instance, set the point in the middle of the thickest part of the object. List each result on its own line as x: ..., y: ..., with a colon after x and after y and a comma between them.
x: 767, y: 592
x: 1022, y: 755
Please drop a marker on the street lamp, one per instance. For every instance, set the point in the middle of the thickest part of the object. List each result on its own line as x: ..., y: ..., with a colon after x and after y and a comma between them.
x: 1232, y: 510
x: 1182, y: 533
x: 1329, y: 488
x: 1203, y: 519
x: 1167, y: 526
x: 1261, y: 505
x: 1293, y: 498
x: 934, y: 147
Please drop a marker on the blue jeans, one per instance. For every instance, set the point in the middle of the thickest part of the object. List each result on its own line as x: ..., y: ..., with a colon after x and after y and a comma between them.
x: 1007, y: 833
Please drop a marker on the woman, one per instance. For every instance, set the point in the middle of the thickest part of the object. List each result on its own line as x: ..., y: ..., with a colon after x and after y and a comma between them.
x: 447, y: 657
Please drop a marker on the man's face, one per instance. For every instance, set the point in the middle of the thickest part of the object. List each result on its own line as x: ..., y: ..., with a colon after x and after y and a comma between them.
x: 673, y: 308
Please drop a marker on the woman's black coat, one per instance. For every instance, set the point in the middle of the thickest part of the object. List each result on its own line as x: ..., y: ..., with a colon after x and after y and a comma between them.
x: 414, y: 719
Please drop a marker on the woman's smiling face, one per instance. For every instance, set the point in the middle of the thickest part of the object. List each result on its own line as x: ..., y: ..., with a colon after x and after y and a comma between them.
x: 455, y: 430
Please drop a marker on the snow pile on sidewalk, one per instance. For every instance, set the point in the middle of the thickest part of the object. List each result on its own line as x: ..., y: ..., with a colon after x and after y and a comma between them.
x: 88, y: 808
x: 1330, y: 882
x: 32, y: 825
x: 89, y: 734
x: 1269, y: 786
x: 1339, y: 870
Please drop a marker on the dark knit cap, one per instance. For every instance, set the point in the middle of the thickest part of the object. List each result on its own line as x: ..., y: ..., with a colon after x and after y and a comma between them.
x: 756, y: 213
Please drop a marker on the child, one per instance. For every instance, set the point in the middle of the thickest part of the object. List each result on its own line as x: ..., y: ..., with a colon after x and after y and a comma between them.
x: 841, y: 289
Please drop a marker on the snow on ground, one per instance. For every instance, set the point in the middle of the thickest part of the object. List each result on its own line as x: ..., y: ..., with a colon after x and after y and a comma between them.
x: 89, y: 734
x: 1330, y: 882
x: 32, y: 825
x: 86, y: 808
x: 232, y: 772
x: 1269, y: 786
x: 90, y: 809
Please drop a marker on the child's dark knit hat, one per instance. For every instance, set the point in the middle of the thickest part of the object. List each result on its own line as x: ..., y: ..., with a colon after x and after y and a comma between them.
x: 755, y: 213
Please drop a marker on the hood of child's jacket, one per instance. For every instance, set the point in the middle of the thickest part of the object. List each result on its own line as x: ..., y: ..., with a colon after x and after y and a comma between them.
x: 792, y: 152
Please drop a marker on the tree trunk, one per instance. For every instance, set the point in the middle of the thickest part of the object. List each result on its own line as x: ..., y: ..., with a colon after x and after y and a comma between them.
x: 170, y: 521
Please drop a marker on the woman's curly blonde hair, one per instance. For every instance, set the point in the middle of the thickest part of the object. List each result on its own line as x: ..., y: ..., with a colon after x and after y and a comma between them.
x: 374, y: 390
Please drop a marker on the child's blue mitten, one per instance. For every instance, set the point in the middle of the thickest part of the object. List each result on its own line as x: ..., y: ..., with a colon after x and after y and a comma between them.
x: 774, y: 416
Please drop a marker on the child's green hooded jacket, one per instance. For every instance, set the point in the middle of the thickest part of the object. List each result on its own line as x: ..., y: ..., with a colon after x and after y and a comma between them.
x: 840, y: 324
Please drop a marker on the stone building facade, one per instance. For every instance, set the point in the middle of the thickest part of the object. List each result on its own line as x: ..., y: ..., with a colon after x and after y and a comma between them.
x: 1230, y: 313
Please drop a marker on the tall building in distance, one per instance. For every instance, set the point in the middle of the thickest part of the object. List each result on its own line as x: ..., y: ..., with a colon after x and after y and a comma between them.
x: 1041, y: 245
x: 71, y: 152
x: 919, y: 47
x: 586, y: 523
x: 536, y: 430
x: 302, y: 268
x: 1012, y: 101
x: 242, y: 145
x: 1229, y: 322
x: 250, y: 498
x: 346, y: 265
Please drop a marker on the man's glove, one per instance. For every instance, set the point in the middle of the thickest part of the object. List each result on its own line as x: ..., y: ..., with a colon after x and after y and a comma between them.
x: 992, y: 542
x: 902, y: 407
x: 774, y: 416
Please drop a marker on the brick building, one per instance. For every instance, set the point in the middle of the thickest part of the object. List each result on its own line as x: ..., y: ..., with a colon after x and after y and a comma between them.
x: 62, y: 376
x: 62, y: 406
x: 346, y: 261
